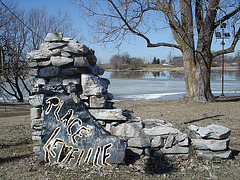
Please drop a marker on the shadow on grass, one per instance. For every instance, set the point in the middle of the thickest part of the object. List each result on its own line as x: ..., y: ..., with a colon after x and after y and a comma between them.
x: 210, y: 117
x: 227, y: 98
x: 149, y: 164
x: 15, y: 158
x: 234, y: 154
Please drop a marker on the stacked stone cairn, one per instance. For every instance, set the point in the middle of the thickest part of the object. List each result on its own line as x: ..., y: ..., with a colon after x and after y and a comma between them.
x: 67, y: 93
x: 211, y: 141
x: 67, y: 79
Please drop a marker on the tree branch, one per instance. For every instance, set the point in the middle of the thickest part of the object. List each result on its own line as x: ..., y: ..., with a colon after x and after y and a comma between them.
x: 227, y: 16
x: 149, y: 44
x: 198, y: 14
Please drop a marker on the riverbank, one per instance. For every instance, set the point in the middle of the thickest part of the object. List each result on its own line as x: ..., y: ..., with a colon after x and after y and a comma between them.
x: 17, y: 161
x: 159, y: 68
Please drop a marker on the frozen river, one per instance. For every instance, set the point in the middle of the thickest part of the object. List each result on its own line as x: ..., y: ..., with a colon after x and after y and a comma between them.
x: 167, y: 85
x: 136, y: 86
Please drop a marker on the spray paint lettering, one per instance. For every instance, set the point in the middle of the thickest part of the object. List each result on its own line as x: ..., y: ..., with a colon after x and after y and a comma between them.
x: 57, y: 149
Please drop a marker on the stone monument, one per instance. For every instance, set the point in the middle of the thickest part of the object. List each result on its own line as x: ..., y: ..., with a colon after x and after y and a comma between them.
x: 66, y: 87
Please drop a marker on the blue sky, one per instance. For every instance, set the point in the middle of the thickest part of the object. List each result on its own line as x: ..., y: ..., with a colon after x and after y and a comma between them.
x: 136, y: 48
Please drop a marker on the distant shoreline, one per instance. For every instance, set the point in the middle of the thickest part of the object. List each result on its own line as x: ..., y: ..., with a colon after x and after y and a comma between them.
x: 159, y: 68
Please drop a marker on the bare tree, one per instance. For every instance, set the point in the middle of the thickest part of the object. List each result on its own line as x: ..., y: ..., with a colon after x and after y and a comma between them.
x: 118, y: 62
x: 192, y: 25
x: 14, y: 40
x: 23, y: 32
x: 42, y: 23
x: 136, y: 63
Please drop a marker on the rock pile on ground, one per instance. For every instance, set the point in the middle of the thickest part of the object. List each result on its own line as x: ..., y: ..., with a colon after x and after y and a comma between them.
x: 66, y: 87
x: 211, y: 141
x: 152, y: 137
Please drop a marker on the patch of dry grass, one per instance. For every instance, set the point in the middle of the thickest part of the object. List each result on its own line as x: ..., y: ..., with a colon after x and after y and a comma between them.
x: 18, y: 162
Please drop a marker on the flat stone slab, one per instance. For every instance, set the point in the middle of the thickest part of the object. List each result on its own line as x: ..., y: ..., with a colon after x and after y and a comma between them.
x: 108, y: 114
x: 175, y: 150
x: 54, y: 37
x: 212, y: 131
x: 161, y: 130
x: 71, y: 136
x: 139, y: 142
x: 209, y: 154
x: 210, y: 144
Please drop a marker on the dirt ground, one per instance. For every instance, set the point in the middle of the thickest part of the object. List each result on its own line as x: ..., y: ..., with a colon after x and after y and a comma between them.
x: 18, y: 162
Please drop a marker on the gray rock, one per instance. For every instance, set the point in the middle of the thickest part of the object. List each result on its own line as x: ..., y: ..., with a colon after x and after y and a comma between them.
x: 83, y: 48
x: 182, y: 140
x: 108, y: 127
x: 160, y: 130
x: 33, y: 64
x: 157, y: 141
x: 97, y: 101
x: 38, y: 55
x: 181, y: 137
x: 40, y: 81
x: 193, y: 128
x: 36, y: 133
x: 76, y: 48
x: 75, y: 81
x: 35, y: 113
x: 36, y: 149
x: 54, y: 37
x: 139, y: 142
x: 93, y: 85
x: 36, y: 138
x: 214, y: 131
x: 147, y: 151
x: 36, y: 100
x: 33, y: 72
x: 218, y: 154
x: 108, y: 114
x: 60, y: 61
x: 184, y: 143
x: 55, y: 45
x: 71, y: 49
x: 48, y: 72
x: 97, y: 70
x: 175, y: 150
x: 109, y: 96
x: 77, y: 130
x: 55, y: 81
x: 83, y: 97
x: 169, y: 141
x: 214, y: 145
x: 153, y: 122
x: 73, y: 71
x: 133, y: 129
x: 133, y: 151
x: 44, y: 63
x: 65, y: 54
x: 81, y: 62
x: 92, y: 60
x: 120, y: 130
x: 37, y: 124
x: 56, y: 52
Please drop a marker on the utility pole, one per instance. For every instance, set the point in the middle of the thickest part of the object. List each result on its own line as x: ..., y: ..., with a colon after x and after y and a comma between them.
x: 222, y: 35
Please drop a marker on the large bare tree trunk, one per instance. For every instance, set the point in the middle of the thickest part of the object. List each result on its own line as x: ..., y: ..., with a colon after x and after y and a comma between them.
x: 197, y: 77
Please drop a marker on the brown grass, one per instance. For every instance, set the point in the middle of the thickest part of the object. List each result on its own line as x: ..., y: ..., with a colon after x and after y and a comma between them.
x: 18, y: 162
